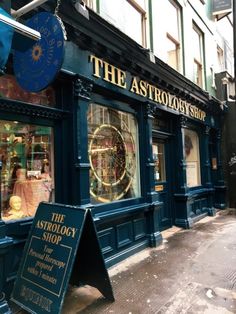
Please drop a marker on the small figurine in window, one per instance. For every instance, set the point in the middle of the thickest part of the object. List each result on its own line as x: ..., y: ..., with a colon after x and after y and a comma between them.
x: 15, y: 211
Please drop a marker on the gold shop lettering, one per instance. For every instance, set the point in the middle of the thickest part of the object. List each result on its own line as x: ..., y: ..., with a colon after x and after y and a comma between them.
x: 116, y: 76
x: 55, y: 230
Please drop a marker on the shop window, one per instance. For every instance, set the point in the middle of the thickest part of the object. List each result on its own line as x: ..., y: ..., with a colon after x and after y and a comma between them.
x: 197, y: 42
x: 124, y: 14
x: 159, y: 161
x: 113, y: 154
x: 27, y: 168
x: 192, y: 158
x: 10, y: 89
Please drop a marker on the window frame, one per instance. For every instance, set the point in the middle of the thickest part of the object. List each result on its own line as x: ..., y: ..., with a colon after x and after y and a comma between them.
x: 199, y: 80
x: 143, y: 39
x: 177, y: 41
x: 143, y: 14
x: 198, y: 152
x: 220, y: 58
x: 177, y: 51
x: 199, y: 63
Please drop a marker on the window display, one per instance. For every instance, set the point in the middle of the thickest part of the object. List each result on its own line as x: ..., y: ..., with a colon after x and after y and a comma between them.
x: 27, y: 165
x: 191, y: 148
x: 113, y: 154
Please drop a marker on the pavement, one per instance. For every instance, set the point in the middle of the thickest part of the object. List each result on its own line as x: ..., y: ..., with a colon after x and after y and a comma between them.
x: 192, y: 272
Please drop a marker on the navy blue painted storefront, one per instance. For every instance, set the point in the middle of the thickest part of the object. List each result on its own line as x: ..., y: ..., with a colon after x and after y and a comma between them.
x: 164, y: 111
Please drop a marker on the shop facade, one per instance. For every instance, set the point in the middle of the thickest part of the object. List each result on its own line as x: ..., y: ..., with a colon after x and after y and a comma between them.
x: 130, y: 138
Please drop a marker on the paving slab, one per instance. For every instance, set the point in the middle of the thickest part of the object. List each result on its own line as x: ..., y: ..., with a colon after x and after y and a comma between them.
x: 192, y: 272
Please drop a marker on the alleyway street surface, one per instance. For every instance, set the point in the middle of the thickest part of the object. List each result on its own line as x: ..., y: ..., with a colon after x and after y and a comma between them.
x: 193, y: 271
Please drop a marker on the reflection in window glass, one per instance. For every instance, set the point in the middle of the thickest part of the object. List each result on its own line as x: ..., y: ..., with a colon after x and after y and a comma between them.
x: 113, y: 154
x: 27, y: 165
x: 159, y: 161
x: 191, y: 149
x: 9, y: 88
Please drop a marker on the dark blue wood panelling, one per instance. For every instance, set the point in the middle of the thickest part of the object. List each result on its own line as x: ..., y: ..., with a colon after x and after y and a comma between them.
x: 198, y: 206
x: 124, y: 234
x: 13, y: 259
x: 139, y: 228
x: 107, y: 240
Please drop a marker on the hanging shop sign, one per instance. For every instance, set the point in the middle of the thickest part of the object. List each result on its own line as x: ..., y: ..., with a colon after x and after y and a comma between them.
x: 120, y: 78
x: 62, y: 247
x: 37, y: 67
x: 221, y: 6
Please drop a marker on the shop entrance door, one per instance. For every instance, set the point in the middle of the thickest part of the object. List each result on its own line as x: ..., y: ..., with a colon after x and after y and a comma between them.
x: 162, y: 180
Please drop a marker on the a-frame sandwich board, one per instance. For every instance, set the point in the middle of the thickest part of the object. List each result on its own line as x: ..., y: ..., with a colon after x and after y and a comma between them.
x: 62, y: 247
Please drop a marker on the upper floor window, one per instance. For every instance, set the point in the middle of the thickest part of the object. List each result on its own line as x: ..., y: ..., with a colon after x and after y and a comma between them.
x: 173, y: 35
x: 128, y: 15
x: 220, y: 59
x: 167, y: 35
x: 197, y: 43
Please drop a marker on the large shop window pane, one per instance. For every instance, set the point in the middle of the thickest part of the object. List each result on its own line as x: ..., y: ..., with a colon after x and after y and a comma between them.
x: 27, y: 168
x: 113, y: 154
x: 191, y: 148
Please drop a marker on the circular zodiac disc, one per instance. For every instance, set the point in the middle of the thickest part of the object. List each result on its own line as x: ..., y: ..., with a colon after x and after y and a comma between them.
x: 37, y: 67
x: 112, y: 163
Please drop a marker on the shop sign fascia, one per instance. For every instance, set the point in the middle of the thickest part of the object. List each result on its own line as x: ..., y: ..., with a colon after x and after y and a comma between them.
x: 122, y: 79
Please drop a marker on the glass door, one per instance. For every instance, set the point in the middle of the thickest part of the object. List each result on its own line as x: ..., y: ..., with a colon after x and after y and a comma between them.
x: 161, y: 177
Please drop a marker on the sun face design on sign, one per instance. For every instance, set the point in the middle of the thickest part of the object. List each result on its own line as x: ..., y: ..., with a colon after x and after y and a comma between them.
x: 37, y: 52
